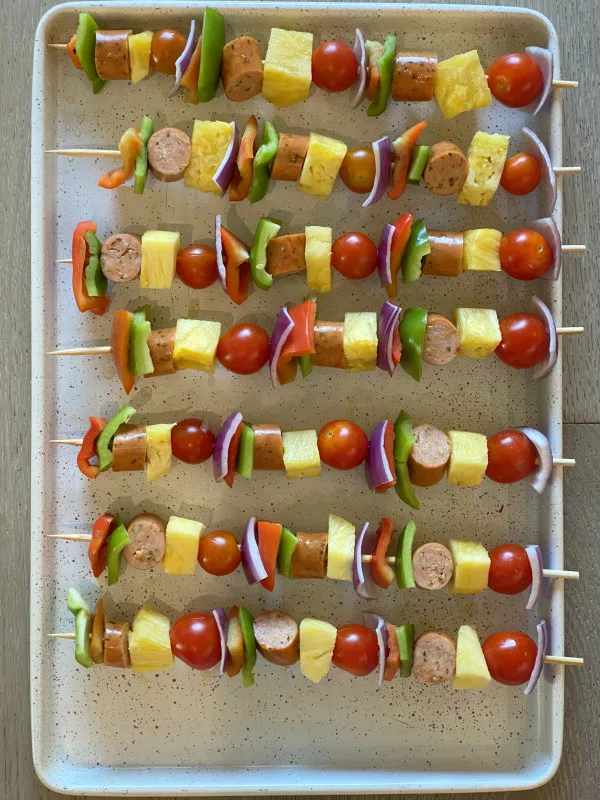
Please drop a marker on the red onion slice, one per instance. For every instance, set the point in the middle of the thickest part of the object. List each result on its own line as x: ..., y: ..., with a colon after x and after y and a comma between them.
x: 384, y: 255
x: 547, y: 228
x: 541, y: 311
x: 281, y: 332
x: 184, y: 59
x: 543, y: 471
x: 222, y: 621
x: 252, y: 564
x: 386, y: 326
x: 364, y: 586
x: 544, y: 59
x: 538, y: 149
x: 542, y: 647
x: 382, y: 149
x: 360, y: 51
x: 377, y: 465
x: 219, y: 249
x: 222, y: 444
x: 224, y: 174
x: 377, y: 623
x: 534, y: 554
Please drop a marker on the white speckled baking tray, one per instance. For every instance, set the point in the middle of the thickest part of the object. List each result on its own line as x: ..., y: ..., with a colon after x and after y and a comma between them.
x: 102, y: 732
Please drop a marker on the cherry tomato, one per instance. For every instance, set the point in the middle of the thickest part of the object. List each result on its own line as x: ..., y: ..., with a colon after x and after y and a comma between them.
x: 244, y: 349
x: 515, y: 79
x: 354, y: 256
x: 521, y: 174
x: 334, y: 66
x: 218, y: 553
x: 525, y: 340
x: 192, y: 441
x: 358, y: 170
x: 342, y: 444
x: 525, y: 254
x: 511, y: 457
x: 356, y: 650
x: 510, y: 657
x: 510, y: 570
x: 197, y: 266
x: 195, y: 639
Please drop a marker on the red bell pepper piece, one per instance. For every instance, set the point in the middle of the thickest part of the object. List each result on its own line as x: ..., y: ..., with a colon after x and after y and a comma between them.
x: 300, y: 342
x: 120, y: 336
x: 388, y: 444
x: 80, y: 253
x: 103, y: 527
x: 392, y: 660
x: 235, y: 645
x: 381, y: 572
x: 242, y: 174
x: 129, y: 147
x: 269, y: 536
x: 237, y: 266
x: 232, y: 455
x: 88, y: 448
x: 402, y: 151
x: 400, y: 239
x: 72, y: 44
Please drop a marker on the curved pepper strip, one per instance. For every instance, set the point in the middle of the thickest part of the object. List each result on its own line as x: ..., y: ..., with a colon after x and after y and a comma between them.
x: 403, y: 147
x: 232, y: 455
x: 400, y: 239
x: 242, y: 175
x: 385, y: 66
x: 97, y: 550
x: 300, y: 342
x: 237, y: 266
x: 71, y: 50
x: 388, y: 444
x: 235, y: 645
x: 120, y: 338
x: 129, y: 147
x: 269, y: 537
x: 412, y: 336
x: 392, y: 660
x: 80, y: 254
x: 213, y: 42
x: 189, y: 79
x: 382, y: 572
x: 88, y: 448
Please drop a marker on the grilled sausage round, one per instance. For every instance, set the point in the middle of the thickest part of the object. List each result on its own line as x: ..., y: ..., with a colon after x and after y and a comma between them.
x: 433, y: 566
x: 116, y: 644
x: 445, y: 257
x: 277, y: 637
x: 121, y: 257
x: 148, y: 541
x: 414, y: 77
x: 129, y: 448
x: 268, y: 447
x: 447, y: 169
x: 310, y: 556
x: 329, y: 345
x: 242, y: 69
x: 434, y: 658
x: 285, y: 254
x: 441, y: 340
x: 112, y: 55
x: 161, y: 344
x: 169, y: 153
x: 429, y: 455
x: 289, y: 158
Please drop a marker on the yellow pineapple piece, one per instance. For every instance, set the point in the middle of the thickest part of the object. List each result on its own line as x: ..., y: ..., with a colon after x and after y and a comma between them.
x: 140, y: 45
x: 321, y: 166
x: 317, y: 642
x: 149, y: 643
x: 287, y: 67
x: 486, y: 157
x: 471, y: 670
x: 471, y: 567
x: 301, y: 454
x: 340, y: 548
x: 210, y: 141
x: 182, y: 540
x: 360, y: 340
x: 461, y: 85
x: 481, y: 250
x: 159, y: 259
x: 158, y: 450
x: 478, y: 331
x: 468, y: 458
x: 196, y: 342
x: 317, y: 255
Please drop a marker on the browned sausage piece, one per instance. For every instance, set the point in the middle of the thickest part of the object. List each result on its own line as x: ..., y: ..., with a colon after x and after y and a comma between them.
x: 169, y: 152
x: 242, y: 69
x: 277, y: 637
x: 129, y: 448
x: 441, y: 340
x: 310, y: 556
x: 268, y: 447
x: 116, y: 644
x: 433, y: 566
x: 285, y: 254
x: 121, y: 257
x: 429, y: 455
x: 434, y: 658
x: 447, y: 169
x: 414, y: 77
x: 161, y: 344
x: 148, y: 541
x: 112, y: 55
x: 329, y: 345
x: 290, y: 156
x: 446, y: 254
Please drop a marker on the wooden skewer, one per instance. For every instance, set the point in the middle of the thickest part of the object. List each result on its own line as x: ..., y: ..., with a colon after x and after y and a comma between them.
x: 568, y: 331
x: 57, y: 46
x: 566, y: 170
x: 74, y: 442
x: 573, y: 248
x: 79, y: 152
x: 61, y: 635
x: 565, y: 84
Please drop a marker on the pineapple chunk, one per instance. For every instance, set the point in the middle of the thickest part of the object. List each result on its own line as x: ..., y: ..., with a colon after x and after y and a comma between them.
x: 301, y: 454
x: 471, y: 669
x: 287, y: 69
x: 158, y: 450
x: 340, y: 548
x: 471, y: 567
x: 360, y: 340
x: 149, y: 643
x: 210, y: 141
x: 478, y: 331
x: 317, y: 255
x: 139, y: 55
x: 486, y: 157
x: 461, y: 85
x: 322, y: 163
x: 159, y: 259
x: 481, y: 250
x: 196, y: 342
x: 317, y: 642
x: 183, y: 538
x: 468, y: 458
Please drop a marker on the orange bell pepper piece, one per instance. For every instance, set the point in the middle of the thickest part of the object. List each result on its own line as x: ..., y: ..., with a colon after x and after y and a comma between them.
x: 373, y: 76
x: 388, y: 444
x: 237, y: 266
x: 88, y: 448
x: 102, y: 529
x: 300, y: 342
x: 400, y: 239
x: 235, y: 645
x: 269, y: 536
x: 120, y: 335
x: 72, y: 44
x: 80, y: 254
x: 129, y: 147
x: 242, y: 175
x: 189, y: 79
x: 392, y: 660
x: 382, y: 572
x: 402, y: 151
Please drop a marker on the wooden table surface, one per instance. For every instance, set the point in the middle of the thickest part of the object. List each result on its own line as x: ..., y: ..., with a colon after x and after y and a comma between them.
x: 578, y: 28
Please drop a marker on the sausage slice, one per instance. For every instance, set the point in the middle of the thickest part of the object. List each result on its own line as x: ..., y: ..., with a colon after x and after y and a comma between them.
x: 329, y: 345
x: 447, y: 169
x: 414, y: 77
x: 129, y: 448
x: 310, y: 556
x: 169, y: 153
x: 112, y: 55
x: 433, y: 566
x: 268, y: 447
x: 445, y: 257
x: 242, y: 69
x: 290, y: 156
x: 441, y: 340
x: 148, y: 541
x: 277, y: 637
x: 161, y: 344
x: 434, y: 658
x: 121, y: 257
x: 285, y: 254
x: 116, y: 644
x: 429, y: 455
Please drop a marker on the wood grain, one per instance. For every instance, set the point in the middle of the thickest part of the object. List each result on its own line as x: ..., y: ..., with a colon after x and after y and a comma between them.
x: 579, y: 30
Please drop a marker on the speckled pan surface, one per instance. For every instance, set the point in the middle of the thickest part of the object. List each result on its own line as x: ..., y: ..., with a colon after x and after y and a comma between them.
x: 181, y: 732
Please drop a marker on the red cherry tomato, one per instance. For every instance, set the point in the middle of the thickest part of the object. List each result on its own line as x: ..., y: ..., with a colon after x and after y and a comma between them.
x: 515, y: 79
x: 334, y: 66
x: 192, y: 441
x: 356, y: 650
x: 354, y: 256
x: 342, y: 444
x: 197, y: 266
x: 195, y: 639
x: 510, y: 657
x: 511, y: 457
x: 525, y: 340
x: 244, y: 349
x: 358, y: 170
x: 525, y: 254
x: 218, y: 553
x: 521, y: 174
x: 510, y: 570
x: 167, y: 46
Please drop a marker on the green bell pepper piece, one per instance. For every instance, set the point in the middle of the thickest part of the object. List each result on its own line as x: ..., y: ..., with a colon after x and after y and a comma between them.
x: 418, y: 162
x: 117, y: 542
x: 83, y: 632
x: 246, y: 621
x: 404, y: 570
x: 404, y: 438
x: 140, y: 360
x: 245, y: 460
x: 287, y: 545
x: 385, y: 65
x: 404, y: 488
x: 406, y: 637
x: 103, y: 445
x: 213, y: 42
x: 417, y: 247
x: 95, y: 280
x: 267, y: 229
x: 93, y: 243
x: 86, y: 49
x: 76, y: 603
x: 141, y: 161
x: 263, y: 159
x: 306, y: 365
x: 412, y: 335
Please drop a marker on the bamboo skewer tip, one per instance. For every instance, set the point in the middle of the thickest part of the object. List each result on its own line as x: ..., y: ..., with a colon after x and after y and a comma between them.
x: 560, y: 84
x: 73, y: 442
x: 573, y: 248
x: 101, y: 350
